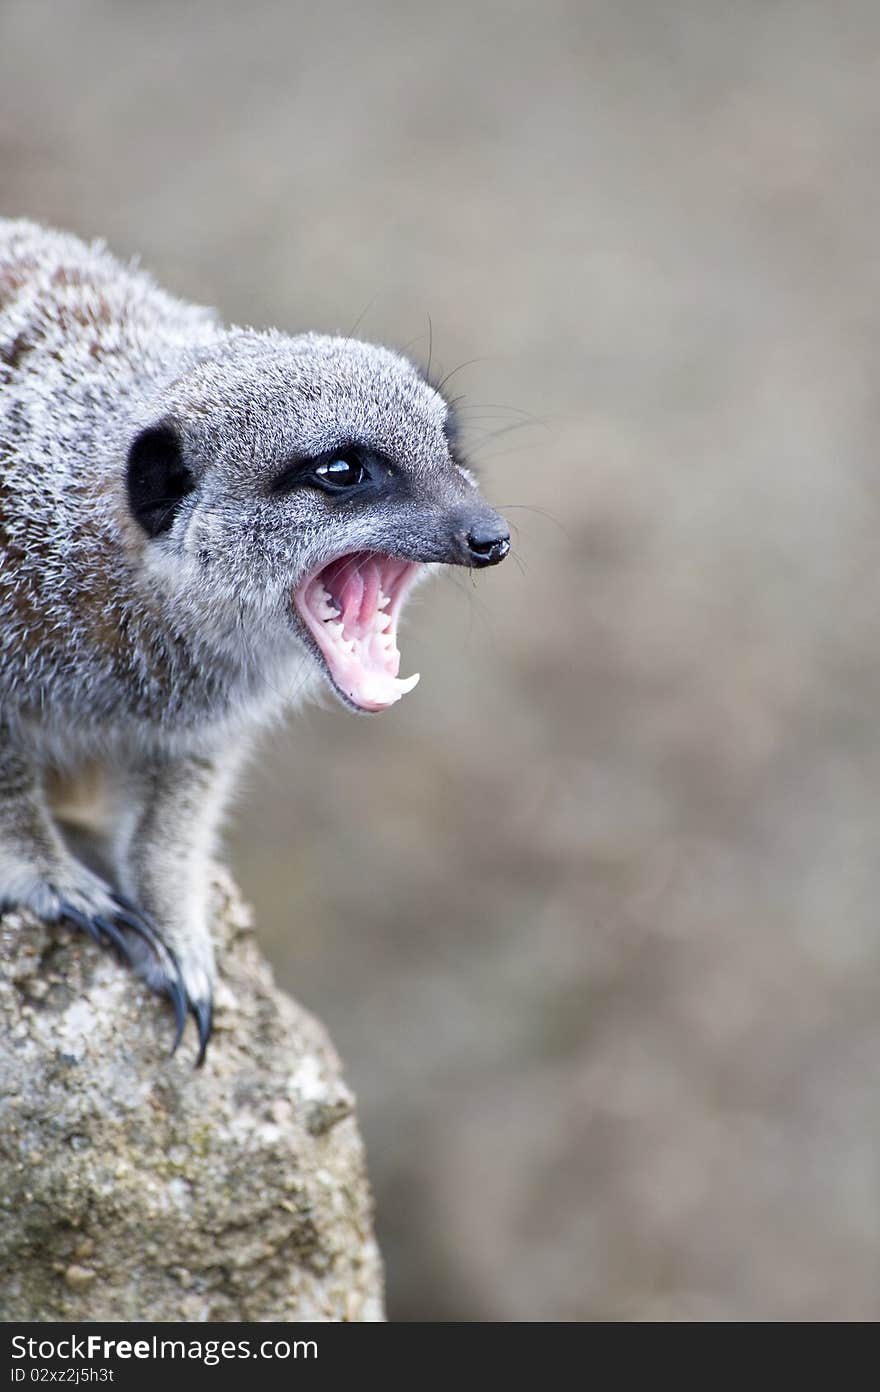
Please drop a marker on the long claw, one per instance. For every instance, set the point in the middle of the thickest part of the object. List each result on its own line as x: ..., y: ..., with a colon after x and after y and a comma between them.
x: 173, y: 987
x: 113, y: 933
x: 175, y: 992
x: 81, y: 921
x: 138, y: 923
x: 124, y: 902
x: 203, y: 1012
x: 129, y: 914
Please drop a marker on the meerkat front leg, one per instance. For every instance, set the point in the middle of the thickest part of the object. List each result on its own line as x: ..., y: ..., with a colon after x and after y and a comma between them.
x: 38, y: 872
x: 163, y: 853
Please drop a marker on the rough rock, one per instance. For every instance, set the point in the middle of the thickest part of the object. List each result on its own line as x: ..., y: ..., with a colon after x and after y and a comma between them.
x: 134, y: 1186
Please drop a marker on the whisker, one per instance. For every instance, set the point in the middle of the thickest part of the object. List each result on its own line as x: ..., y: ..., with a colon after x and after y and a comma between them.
x: 366, y: 309
x: 514, y: 410
x: 411, y: 342
x: 499, y: 454
x: 521, y: 565
x: 501, y: 431
x: 469, y: 362
x: 541, y: 512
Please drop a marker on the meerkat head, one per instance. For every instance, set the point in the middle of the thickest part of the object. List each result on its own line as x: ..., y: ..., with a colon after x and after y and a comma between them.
x: 295, y: 490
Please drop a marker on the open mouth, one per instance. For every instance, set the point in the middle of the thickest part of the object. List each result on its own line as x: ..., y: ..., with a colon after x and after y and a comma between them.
x: 351, y: 607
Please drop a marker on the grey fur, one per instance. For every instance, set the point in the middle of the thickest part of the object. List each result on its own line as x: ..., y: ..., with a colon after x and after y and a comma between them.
x: 155, y: 659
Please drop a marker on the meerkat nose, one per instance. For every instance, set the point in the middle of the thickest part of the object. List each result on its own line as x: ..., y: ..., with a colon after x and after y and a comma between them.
x: 483, y: 539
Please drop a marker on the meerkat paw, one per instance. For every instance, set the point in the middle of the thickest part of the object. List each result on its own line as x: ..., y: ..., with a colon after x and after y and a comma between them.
x: 81, y: 900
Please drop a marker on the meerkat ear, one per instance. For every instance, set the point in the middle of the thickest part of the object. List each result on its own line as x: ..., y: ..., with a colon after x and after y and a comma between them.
x: 157, y: 477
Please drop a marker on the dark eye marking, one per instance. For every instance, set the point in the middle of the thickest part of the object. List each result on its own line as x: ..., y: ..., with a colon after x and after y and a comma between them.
x: 346, y: 470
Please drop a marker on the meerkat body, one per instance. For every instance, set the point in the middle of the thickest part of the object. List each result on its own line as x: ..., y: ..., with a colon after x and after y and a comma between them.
x: 194, y: 522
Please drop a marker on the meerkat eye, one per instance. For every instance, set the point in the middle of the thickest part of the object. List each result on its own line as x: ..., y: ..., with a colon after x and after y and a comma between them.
x: 341, y: 473
x: 331, y: 472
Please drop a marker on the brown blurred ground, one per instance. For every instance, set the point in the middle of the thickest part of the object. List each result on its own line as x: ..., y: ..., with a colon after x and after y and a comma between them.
x: 593, y: 915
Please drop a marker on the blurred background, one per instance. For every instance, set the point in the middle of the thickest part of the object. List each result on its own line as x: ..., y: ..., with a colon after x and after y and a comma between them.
x: 592, y: 916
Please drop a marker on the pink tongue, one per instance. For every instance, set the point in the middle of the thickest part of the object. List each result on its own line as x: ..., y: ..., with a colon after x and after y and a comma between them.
x: 371, y: 576
x: 349, y: 599
x: 356, y: 592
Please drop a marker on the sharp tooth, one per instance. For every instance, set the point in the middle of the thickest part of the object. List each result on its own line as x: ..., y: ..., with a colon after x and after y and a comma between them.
x: 406, y: 684
x: 325, y: 608
x: 384, y: 601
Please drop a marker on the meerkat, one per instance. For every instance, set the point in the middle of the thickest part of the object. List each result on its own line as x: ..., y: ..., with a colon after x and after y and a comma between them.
x: 198, y: 524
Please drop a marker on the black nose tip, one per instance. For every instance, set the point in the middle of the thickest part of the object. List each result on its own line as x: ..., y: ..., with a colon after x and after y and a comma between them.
x: 487, y: 545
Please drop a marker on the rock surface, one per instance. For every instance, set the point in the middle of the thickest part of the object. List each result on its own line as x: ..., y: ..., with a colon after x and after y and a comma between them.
x: 133, y: 1186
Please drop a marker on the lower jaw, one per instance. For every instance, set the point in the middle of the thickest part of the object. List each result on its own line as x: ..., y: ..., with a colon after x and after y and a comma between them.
x: 369, y: 694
